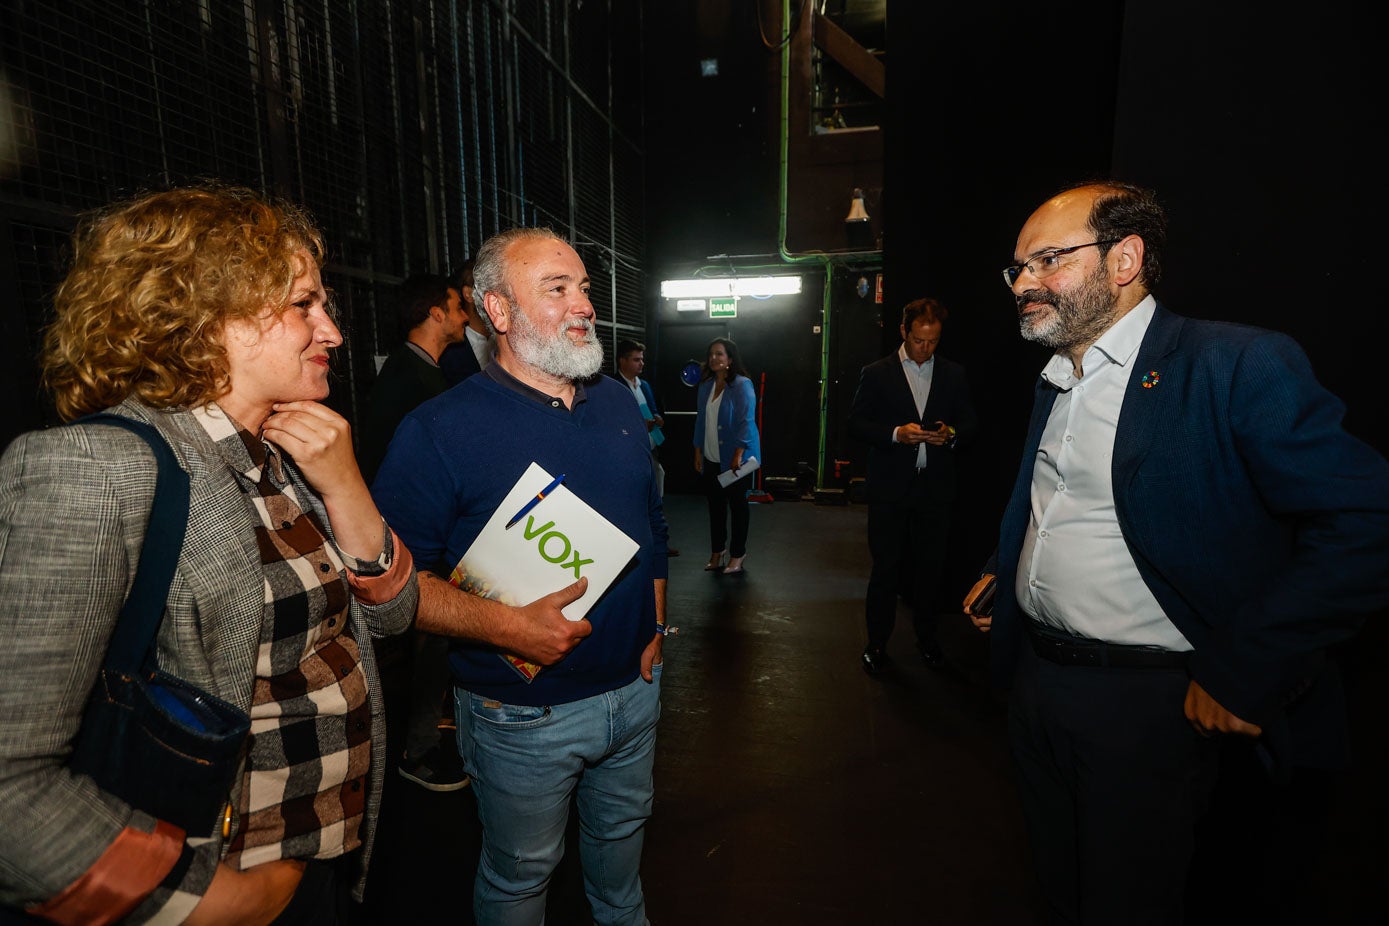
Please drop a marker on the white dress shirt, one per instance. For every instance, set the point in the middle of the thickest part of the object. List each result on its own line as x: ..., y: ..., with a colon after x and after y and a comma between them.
x: 919, y: 379
x: 481, y: 345
x: 1076, y: 573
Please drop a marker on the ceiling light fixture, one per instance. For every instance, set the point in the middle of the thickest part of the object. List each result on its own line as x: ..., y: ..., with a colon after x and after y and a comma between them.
x: 730, y: 286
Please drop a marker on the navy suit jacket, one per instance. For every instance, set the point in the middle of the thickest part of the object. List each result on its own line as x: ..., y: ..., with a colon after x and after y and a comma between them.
x: 650, y: 396
x: 884, y: 401
x: 458, y: 361
x: 1259, y: 524
x: 651, y: 405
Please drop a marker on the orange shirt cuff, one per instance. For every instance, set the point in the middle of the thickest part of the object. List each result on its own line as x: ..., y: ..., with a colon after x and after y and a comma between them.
x: 381, y: 589
x: 130, y: 868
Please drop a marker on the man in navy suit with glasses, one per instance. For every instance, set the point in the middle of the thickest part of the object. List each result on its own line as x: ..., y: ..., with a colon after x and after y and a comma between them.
x: 1190, y: 531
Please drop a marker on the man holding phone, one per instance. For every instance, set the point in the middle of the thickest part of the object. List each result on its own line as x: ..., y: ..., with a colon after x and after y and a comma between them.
x: 912, y: 409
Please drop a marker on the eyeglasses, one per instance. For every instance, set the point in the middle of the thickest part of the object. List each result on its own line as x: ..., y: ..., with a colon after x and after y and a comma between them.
x: 1046, y: 263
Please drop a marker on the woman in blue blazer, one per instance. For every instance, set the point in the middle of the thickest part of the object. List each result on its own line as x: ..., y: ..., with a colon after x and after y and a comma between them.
x: 725, y: 438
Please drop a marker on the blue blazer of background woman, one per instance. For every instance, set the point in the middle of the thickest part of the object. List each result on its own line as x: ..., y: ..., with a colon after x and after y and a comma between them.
x: 725, y: 435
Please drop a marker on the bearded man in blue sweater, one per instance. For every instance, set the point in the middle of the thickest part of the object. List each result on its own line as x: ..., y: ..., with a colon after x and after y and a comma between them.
x: 587, y: 720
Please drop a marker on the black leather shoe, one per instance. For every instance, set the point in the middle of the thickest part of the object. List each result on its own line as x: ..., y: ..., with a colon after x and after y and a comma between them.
x: 931, y: 654
x: 875, y: 661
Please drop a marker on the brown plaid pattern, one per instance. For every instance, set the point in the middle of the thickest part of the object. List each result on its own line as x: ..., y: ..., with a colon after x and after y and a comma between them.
x: 309, y: 751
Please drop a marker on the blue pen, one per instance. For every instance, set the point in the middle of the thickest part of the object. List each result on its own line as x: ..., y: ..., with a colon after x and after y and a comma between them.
x: 525, y: 509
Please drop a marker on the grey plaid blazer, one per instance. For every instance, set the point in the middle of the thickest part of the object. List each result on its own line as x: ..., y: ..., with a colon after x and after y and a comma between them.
x: 74, y: 503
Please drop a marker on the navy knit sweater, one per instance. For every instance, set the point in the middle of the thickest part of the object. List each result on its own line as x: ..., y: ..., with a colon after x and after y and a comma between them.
x: 452, y: 461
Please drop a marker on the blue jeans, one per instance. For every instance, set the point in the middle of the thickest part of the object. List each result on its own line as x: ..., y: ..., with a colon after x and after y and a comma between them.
x: 525, y: 763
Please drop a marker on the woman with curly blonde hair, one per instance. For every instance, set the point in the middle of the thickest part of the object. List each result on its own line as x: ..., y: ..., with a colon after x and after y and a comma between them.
x: 152, y: 285
x: 201, y: 312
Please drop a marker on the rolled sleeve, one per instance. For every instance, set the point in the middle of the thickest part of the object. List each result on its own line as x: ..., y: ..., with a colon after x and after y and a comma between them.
x: 131, y: 867
x: 381, y: 580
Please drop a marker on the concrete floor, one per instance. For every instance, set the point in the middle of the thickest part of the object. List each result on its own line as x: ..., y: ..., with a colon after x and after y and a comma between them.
x: 791, y: 788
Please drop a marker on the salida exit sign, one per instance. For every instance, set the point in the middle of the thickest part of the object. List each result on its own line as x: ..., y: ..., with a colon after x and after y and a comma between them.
x: 723, y: 307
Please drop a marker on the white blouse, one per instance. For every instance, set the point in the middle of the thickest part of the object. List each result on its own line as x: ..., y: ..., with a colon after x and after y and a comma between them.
x: 711, y: 425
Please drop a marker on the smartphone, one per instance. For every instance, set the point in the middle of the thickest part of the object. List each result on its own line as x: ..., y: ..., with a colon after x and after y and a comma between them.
x: 983, y: 603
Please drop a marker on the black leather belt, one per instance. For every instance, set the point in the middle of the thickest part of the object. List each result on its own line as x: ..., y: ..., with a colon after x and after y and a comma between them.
x: 1066, y: 650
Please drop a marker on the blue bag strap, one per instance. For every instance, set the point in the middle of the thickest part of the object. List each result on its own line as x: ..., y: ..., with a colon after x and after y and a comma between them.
x: 133, y: 639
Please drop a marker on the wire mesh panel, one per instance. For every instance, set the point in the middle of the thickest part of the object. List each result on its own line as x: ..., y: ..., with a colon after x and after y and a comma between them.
x: 410, y: 129
x: 124, y: 96
x: 39, y: 253
x: 542, y: 138
x: 628, y: 239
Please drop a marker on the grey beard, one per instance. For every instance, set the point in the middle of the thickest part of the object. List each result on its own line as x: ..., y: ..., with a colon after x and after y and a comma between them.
x: 1079, y: 317
x: 1046, y: 333
x: 557, y: 356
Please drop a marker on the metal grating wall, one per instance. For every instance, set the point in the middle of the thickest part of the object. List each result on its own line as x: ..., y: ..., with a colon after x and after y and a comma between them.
x: 412, y: 130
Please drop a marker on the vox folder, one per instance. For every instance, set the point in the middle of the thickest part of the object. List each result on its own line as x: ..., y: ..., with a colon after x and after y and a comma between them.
x: 554, y: 544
